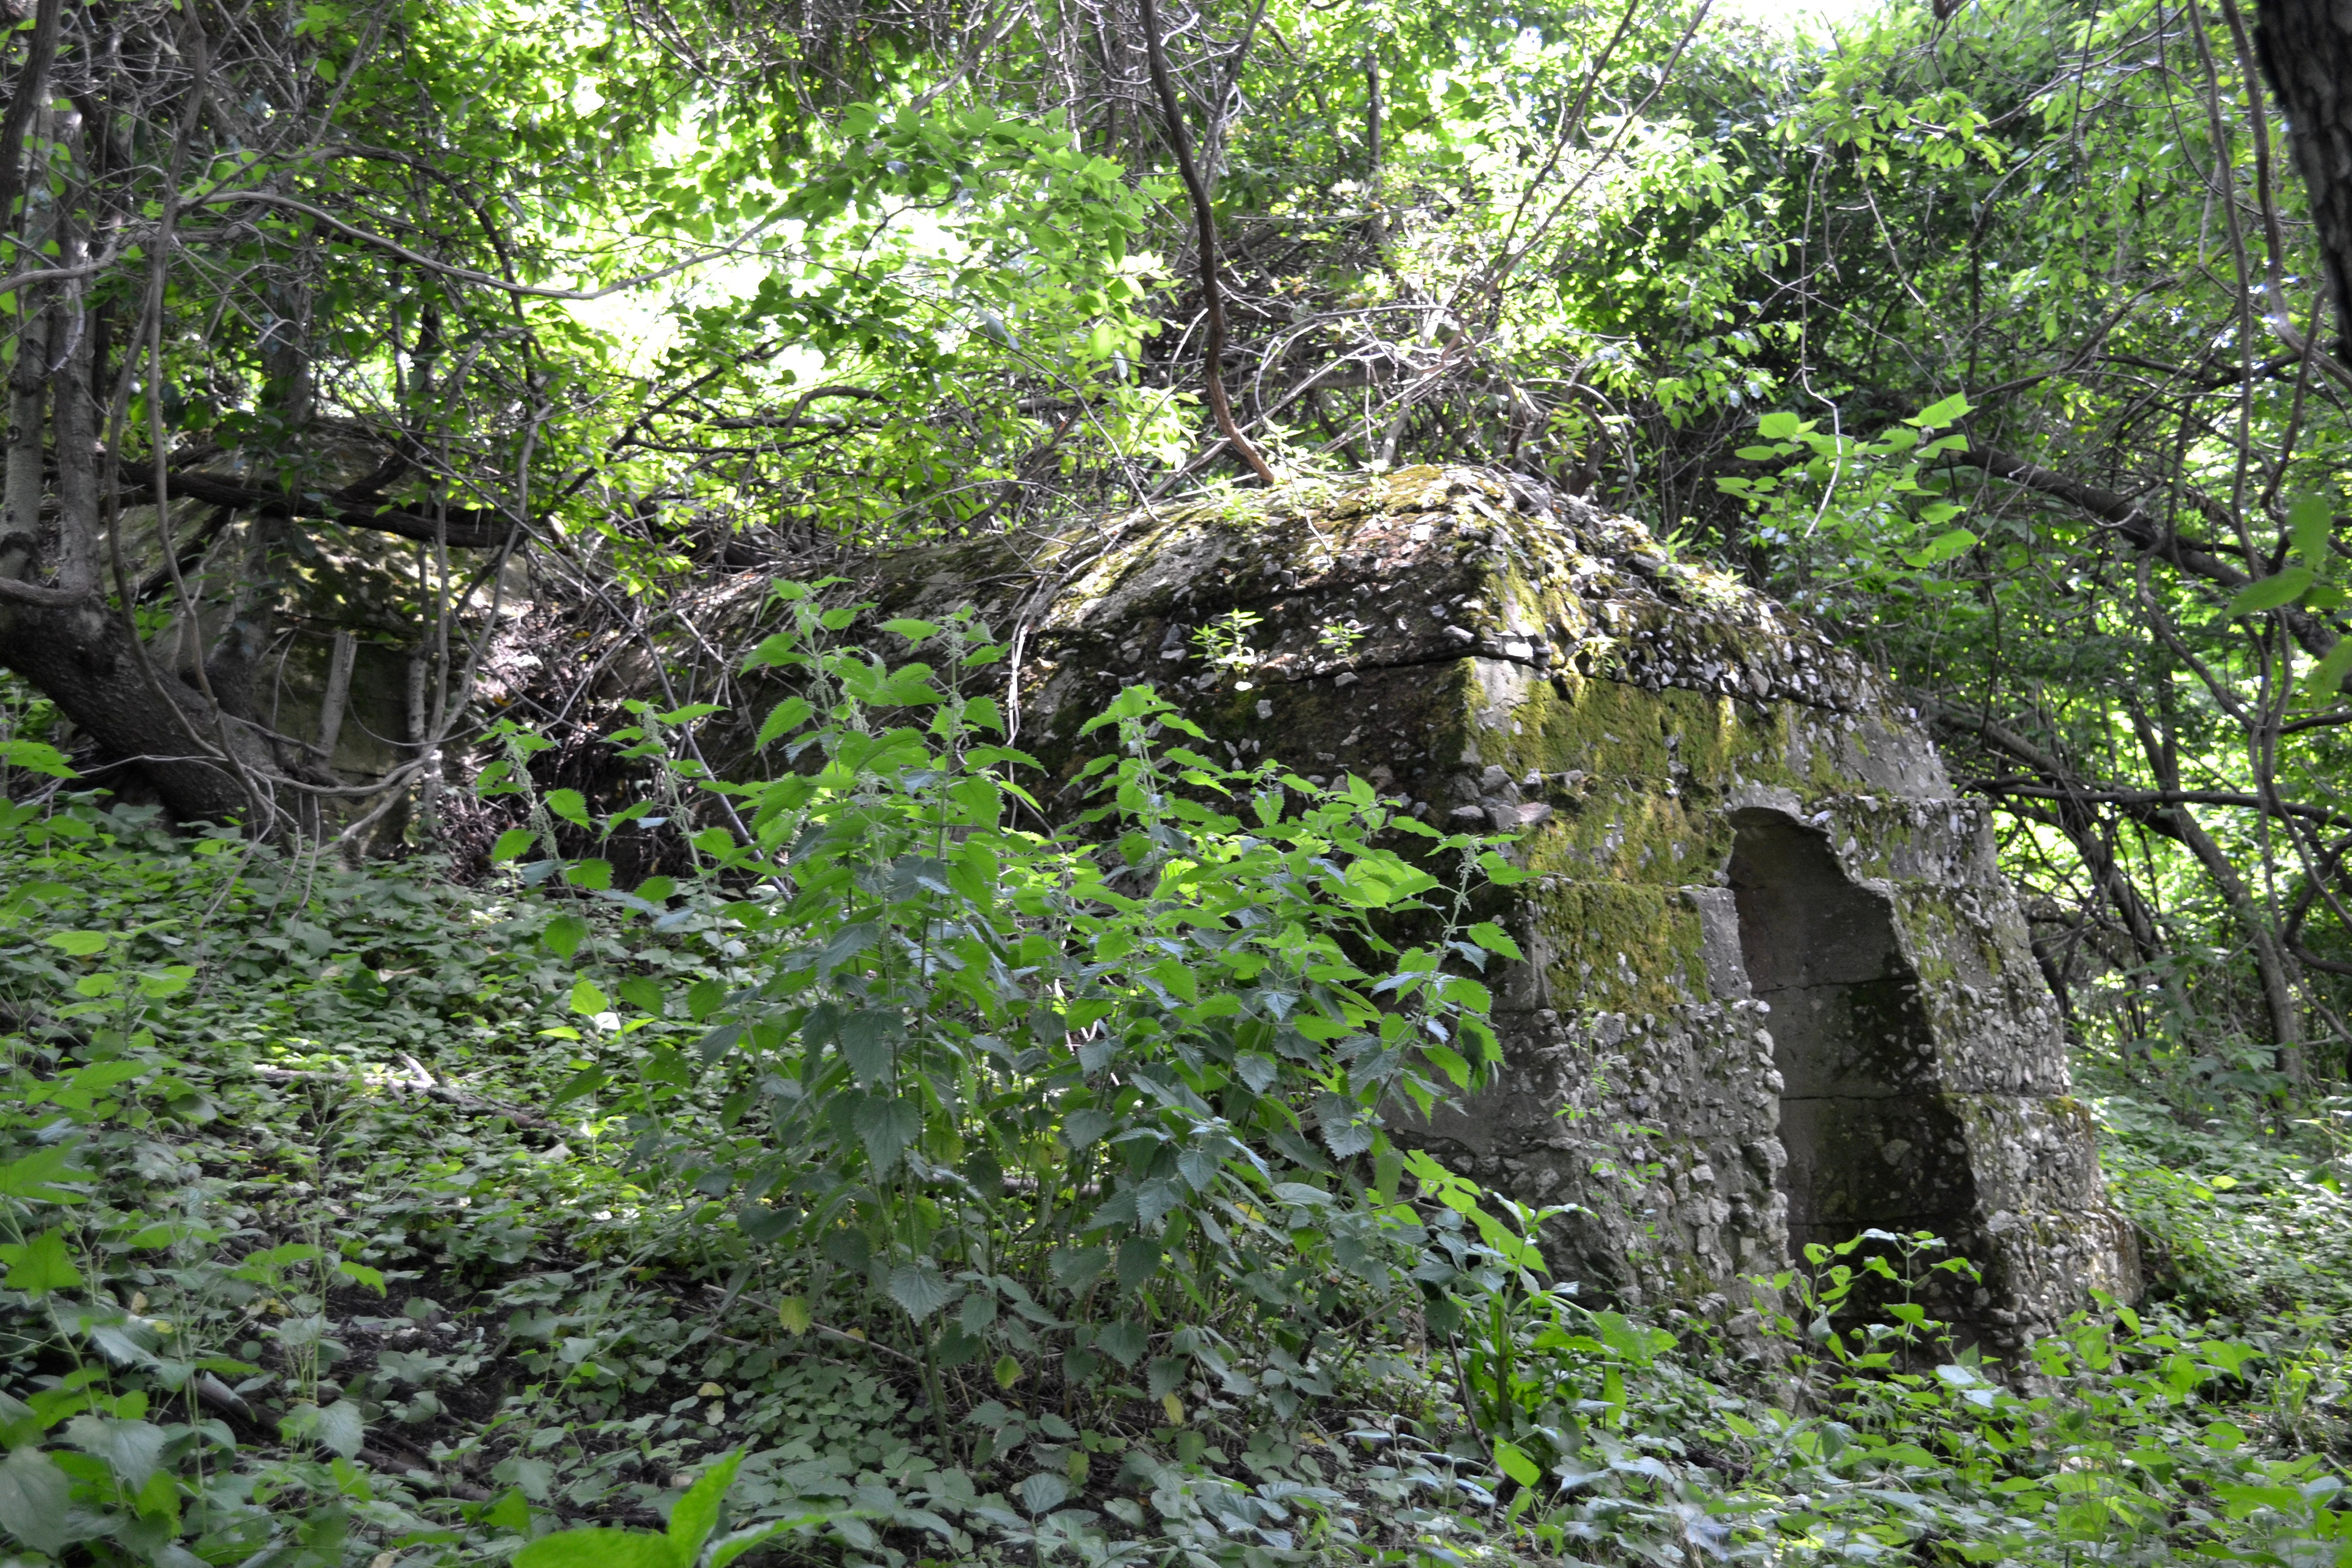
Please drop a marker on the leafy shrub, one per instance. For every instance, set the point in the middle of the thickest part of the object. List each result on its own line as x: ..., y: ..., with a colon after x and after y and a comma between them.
x: 1101, y: 1108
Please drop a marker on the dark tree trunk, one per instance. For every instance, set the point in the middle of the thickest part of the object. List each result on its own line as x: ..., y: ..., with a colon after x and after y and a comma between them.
x: 81, y: 658
x: 2306, y: 52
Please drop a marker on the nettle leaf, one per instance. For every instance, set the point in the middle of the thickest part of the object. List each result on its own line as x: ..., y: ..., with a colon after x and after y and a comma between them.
x: 1044, y: 1491
x: 1124, y: 1341
x: 784, y: 718
x: 595, y: 875
x: 921, y: 1289
x: 1075, y: 1267
x: 704, y: 997
x: 885, y: 1125
x: 1514, y: 1462
x: 1495, y: 938
x: 868, y: 1036
x: 511, y: 844
x: 1199, y: 1168
x: 848, y: 944
x: 569, y: 805
x: 1081, y: 1128
x: 337, y: 1428
x: 563, y: 935
x: 133, y: 1451
x: 1139, y: 1260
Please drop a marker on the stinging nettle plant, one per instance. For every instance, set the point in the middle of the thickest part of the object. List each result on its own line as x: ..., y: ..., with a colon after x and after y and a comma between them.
x: 1098, y: 1108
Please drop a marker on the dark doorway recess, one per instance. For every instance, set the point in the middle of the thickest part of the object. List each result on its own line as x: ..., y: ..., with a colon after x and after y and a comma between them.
x: 1870, y: 1142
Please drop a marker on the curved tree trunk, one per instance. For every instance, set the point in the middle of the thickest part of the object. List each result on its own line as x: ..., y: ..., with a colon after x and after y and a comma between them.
x: 81, y: 658
x: 2306, y: 52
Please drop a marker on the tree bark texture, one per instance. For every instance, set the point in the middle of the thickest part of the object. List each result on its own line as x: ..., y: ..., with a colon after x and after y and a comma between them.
x: 2306, y: 52
x: 81, y: 659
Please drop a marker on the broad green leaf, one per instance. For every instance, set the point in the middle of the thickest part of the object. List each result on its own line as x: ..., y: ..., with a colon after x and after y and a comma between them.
x: 1942, y: 548
x: 867, y: 1038
x: 784, y: 718
x: 1780, y: 426
x: 848, y: 944
x: 737, y: 1543
x: 565, y: 934
x: 1514, y: 1463
x: 1945, y: 411
x: 569, y: 805
x: 132, y: 1449
x: 80, y: 944
x: 598, y: 1548
x: 34, y: 1501
x: 588, y: 999
x: 696, y: 1514
x: 595, y: 875
x: 38, y: 1176
x: 2271, y: 592
x: 41, y: 1265
x: 2326, y: 679
x: 921, y: 1289
x: 36, y: 756
x: 1043, y: 1492
x: 1495, y: 938
x: 511, y: 844
x: 1081, y: 1128
x: 587, y: 1080
x: 2310, y: 524
x: 337, y: 1428
x: 1124, y: 1341
x: 885, y: 1125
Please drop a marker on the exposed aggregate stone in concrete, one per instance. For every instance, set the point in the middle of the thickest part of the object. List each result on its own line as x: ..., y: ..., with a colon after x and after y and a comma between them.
x: 1530, y: 665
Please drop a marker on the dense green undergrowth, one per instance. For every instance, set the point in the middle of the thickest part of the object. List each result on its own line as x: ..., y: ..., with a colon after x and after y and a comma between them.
x: 903, y: 1186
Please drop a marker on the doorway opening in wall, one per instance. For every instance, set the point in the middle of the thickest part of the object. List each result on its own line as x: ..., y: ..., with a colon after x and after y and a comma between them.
x: 1870, y: 1144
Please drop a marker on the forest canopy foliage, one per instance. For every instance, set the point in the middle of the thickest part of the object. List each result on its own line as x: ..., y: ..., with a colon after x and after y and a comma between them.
x: 1993, y: 334
x: 367, y: 357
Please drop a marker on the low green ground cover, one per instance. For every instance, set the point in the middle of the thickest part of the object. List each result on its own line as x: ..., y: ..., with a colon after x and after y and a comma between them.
x: 903, y: 1187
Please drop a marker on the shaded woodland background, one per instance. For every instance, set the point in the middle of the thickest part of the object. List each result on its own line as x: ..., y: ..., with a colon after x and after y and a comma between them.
x: 411, y: 407
x: 422, y: 315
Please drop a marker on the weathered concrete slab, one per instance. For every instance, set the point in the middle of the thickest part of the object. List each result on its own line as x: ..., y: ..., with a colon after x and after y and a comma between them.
x: 1778, y: 990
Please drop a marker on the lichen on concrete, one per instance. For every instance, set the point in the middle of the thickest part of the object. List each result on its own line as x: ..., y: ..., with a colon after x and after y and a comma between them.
x: 1523, y: 663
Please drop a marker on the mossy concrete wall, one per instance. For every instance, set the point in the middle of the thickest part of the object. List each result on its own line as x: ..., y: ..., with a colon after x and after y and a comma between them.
x: 1531, y: 666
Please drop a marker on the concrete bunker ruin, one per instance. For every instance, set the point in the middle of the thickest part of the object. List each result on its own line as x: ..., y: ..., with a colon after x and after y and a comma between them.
x: 1867, y: 1143
x: 1776, y: 991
